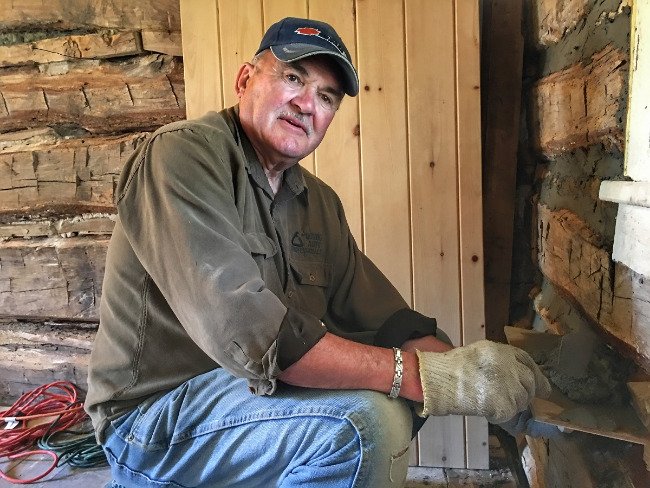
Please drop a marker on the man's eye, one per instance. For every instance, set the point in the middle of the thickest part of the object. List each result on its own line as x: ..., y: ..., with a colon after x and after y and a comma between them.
x: 293, y: 78
x: 326, y: 99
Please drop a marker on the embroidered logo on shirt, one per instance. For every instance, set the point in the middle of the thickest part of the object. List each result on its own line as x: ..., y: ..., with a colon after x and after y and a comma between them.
x: 306, y: 242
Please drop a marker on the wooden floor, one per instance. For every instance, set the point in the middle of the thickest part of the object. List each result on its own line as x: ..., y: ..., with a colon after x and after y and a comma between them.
x: 456, y: 478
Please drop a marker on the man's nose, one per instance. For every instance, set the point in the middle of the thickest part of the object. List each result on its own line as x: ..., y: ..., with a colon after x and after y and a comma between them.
x: 305, y: 100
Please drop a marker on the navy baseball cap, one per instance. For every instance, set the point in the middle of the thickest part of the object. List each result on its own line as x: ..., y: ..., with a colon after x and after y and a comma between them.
x: 292, y: 39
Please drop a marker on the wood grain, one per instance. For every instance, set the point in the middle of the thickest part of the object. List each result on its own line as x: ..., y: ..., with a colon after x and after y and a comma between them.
x: 580, y: 105
x: 100, y: 96
x: 52, y: 277
x: 89, y: 46
x: 81, y: 171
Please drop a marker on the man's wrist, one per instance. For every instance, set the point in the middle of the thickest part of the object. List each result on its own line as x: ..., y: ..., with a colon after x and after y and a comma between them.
x: 411, y: 385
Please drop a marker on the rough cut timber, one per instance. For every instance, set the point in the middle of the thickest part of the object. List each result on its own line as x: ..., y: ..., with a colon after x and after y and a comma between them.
x: 580, y: 460
x: 52, y: 278
x: 101, y: 96
x: 163, y: 15
x: 551, y: 19
x: 32, y: 354
x: 611, y: 296
x: 80, y: 171
x: 89, y: 46
x: 581, y: 105
x: 502, y: 50
x: 85, y: 224
x: 162, y: 42
x: 28, y: 140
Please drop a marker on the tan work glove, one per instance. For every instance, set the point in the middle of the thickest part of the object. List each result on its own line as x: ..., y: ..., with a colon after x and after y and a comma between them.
x: 485, y: 378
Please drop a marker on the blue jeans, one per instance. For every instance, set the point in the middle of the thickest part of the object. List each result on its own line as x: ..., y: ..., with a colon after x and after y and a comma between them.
x: 212, y: 432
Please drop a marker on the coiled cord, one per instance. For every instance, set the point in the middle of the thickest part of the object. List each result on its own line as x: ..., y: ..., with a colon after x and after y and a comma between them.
x: 51, y: 408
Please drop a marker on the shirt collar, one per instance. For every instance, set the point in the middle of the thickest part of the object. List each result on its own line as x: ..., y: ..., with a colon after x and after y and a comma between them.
x: 293, y: 176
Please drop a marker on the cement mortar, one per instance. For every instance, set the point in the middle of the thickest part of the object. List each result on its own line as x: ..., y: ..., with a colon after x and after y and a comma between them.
x: 573, y: 181
x: 36, y: 34
x: 557, y: 309
x: 605, y: 380
x: 591, y: 35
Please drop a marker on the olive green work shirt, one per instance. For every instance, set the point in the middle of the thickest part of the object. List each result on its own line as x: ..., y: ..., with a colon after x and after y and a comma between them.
x: 207, y: 268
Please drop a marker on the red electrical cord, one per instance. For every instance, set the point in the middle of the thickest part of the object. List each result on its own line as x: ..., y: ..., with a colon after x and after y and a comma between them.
x: 41, y: 402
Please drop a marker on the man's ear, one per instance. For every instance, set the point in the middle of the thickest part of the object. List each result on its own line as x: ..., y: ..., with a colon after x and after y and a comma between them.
x: 244, y: 74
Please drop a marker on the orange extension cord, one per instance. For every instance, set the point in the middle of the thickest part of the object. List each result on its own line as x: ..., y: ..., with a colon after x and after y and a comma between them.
x: 59, y: 400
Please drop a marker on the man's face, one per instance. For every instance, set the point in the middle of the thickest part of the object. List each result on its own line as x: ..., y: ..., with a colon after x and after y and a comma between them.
x: 286, y: 108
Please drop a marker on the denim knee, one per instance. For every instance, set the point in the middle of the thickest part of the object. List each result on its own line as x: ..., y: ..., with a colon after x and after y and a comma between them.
x: 384, y: 427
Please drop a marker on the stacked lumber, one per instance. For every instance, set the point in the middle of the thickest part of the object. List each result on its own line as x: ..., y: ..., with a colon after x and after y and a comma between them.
x: 77, y: 96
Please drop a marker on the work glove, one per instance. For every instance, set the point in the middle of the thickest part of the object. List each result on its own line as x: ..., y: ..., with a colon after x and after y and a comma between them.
x: 486, y: 379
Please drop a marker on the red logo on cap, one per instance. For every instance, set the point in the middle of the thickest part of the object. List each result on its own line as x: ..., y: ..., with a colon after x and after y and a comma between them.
x: 307, y: 31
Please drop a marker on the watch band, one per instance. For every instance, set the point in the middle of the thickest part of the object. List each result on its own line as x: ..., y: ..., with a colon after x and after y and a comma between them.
x: 399, y: 371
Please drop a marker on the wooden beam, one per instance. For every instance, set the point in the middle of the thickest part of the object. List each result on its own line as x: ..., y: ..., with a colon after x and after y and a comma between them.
x: 85, y: 224
x: 149, y: 14
x: 79, y: 171
x: 612, y: 297
x: 580, y: 105
x: 585, y: 461
x: 162, y: 42
x: 136, y: 93
x: 37, y: 353
x: 79, y: 335
x: 502, y: 57
x: 89, y: 46
x: 28, y: 140
x: 52, y: 278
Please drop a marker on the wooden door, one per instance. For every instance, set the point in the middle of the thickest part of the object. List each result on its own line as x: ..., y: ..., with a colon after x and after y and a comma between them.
x: 404, y: 156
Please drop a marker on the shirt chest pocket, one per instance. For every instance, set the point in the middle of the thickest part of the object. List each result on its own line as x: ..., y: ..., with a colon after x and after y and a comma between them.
x: 311, y: 291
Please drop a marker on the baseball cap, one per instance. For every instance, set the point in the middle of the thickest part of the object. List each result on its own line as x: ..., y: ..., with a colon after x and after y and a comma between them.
x: 292, y: 39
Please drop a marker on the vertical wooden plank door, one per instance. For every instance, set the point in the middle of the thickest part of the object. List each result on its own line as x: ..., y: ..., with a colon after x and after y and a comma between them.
x: 404, y: 156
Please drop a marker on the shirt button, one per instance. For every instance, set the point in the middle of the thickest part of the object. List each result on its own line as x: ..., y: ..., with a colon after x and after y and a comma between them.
x: 312, y: 277
x: 290, y: 294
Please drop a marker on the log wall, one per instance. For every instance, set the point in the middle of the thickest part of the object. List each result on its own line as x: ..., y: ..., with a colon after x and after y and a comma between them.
x: 576, y: 72
x: 76, y: 98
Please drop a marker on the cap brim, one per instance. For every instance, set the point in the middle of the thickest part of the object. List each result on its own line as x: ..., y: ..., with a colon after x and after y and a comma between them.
x: 294, y: 52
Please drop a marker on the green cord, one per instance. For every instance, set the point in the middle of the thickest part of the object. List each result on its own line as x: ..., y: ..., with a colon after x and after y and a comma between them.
x: 78, y: 449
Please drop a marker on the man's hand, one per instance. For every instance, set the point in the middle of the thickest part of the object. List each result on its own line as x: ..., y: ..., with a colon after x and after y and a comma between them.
x: 426, y: 344
x: 485, y: 378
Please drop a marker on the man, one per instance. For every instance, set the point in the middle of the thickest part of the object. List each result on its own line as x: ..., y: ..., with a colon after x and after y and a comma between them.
x: 244, y: 338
